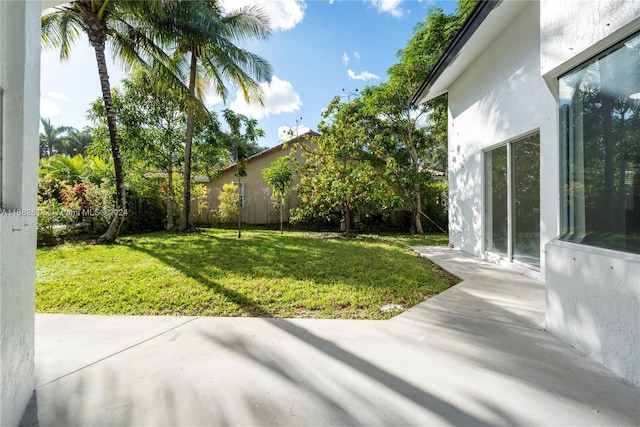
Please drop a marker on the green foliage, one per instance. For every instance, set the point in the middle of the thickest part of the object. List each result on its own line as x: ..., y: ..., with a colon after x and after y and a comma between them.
x: 152, y: 122
x: 200, y: 194
x: 64, y: 140
x: 81, y: 208
x: 77, y: 195
x: 141, y: 34
x: 264, y: 274
x: 345, y: 171
x: 415, y: 136
x: 101, y: 201
x: 279, y: 177
x: 243, y: 134
x: 59, y: 171
x: 48, y: 217
x: 228, y: 200
x: 145, y: 204
x: 206, y: 53
x: 416, y: 60
x: 436, y: 197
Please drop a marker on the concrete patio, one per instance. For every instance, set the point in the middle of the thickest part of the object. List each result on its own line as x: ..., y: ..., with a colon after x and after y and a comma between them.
x: 475, y: 355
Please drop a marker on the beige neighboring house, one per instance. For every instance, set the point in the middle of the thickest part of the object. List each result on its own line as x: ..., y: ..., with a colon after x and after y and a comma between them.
x: 257, y: 205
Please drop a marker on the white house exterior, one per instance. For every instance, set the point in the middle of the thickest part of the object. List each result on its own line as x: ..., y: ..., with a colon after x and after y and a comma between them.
x: 19, y: 115
x: 544, y: 159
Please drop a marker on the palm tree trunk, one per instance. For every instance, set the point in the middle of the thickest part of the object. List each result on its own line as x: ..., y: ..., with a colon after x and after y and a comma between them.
x: 121, y: 199
x: 185, y: 221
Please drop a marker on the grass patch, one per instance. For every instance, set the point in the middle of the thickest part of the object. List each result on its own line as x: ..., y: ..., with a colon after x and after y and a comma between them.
x: 264, y: 274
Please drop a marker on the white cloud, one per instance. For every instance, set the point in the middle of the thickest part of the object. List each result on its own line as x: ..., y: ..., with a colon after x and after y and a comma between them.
x: 284, y: 14
x: 389, y: 6
x: 363, y: 75
x: 285, y: 133
x: 345, y: 58
x: 213, y: 99
x: 59, y: 95
x: 357, y: 55
x: 48, y: 108
x: 48, y: 105
x: 279, y: 97
x: 330, y: 1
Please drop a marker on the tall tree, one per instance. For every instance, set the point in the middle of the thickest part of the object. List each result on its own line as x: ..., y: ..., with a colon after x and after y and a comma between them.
x: 239, y: 140
x: 151, y: 119
x: 400, y: 121
x: 420, y: 131
x: 345, y: 171
x: 151, y: 113
x: 126, y: 25
x: 52, y: 138
x: 207, y: 49
x: 78, y: 141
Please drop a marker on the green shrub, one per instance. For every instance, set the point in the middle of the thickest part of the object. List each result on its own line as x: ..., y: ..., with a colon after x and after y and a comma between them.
x: 46, y: 219
x: 146, y: 205
x: 228, y: 202
x: 435, y: 196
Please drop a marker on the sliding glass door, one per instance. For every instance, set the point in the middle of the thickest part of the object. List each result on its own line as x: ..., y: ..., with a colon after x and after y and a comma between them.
x: 512, y: 200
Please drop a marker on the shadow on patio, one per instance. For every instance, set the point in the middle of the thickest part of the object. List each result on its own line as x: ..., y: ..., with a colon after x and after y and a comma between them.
x: 473, y: 355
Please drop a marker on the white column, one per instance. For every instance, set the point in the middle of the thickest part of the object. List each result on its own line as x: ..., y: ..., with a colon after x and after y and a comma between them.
x: 20, y: 81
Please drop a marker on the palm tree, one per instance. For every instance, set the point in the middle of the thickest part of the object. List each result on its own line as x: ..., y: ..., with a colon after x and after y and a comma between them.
x: 206, y: 49
x: 52, y: 138
x: 127, y: 26
x: 77, y: 142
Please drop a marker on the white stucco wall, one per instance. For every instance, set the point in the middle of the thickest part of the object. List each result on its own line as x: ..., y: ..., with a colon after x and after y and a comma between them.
x: 593, y: 295
x: 500, y: 97
x: 593, y: 303
x: 20, y: 79
x: 574, y: 31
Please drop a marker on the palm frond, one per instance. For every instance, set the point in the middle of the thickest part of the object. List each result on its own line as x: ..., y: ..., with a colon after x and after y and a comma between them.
x: 248, y: 23
x: 60, y: 30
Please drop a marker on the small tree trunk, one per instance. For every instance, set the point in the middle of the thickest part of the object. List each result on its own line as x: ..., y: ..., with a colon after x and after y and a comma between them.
x: 239, y: 210
x: 347, y: 220
x: 185, y: 220
x: 121, y: 198
x: 415, y: 162
x: 281, y: 209
x: 417, y: 219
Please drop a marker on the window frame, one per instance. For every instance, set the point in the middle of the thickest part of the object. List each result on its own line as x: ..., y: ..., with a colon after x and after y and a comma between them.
x: 510, y: 254
x: 570, y: 229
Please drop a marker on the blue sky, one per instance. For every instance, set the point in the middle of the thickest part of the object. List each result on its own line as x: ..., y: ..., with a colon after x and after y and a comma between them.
x: 318, y: 49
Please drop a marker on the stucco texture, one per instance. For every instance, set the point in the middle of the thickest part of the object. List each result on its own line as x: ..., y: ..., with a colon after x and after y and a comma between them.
x: 19, y: 77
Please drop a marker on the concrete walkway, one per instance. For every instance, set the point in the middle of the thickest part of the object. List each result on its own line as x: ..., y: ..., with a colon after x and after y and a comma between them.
x: 475, y: 355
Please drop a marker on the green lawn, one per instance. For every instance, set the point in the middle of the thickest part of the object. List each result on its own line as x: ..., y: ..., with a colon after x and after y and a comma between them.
x: 264, y: 274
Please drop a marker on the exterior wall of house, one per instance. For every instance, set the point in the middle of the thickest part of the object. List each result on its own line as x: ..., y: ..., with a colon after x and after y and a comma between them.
x: 499, y: 98
x: 259, y: 207
x: 19, y: 78
x: 593, y: 294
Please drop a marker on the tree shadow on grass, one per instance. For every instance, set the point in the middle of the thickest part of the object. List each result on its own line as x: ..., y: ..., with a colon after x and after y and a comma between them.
x: 180, y: 259
x: 304, y: 264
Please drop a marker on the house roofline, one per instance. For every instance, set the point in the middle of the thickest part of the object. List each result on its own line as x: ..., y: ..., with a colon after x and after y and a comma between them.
x: 272, y: 149
x: 471, y: 24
